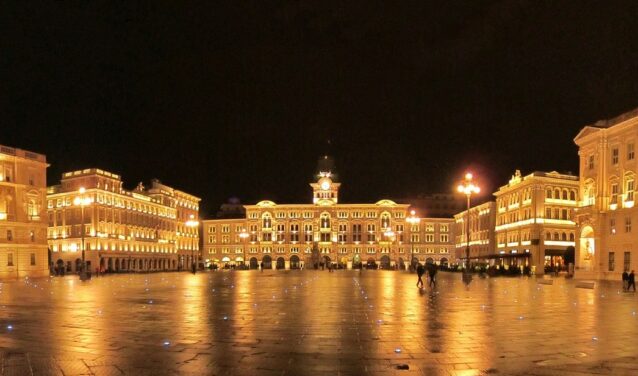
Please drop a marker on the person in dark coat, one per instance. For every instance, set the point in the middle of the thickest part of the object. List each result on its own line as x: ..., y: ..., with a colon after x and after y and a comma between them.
x: 625, y: 280
x: 631, y: 281
x: 420, y: 270
x: 432, y: 274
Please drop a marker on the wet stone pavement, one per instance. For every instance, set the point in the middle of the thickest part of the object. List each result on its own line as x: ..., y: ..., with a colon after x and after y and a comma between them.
x: 314, y: 323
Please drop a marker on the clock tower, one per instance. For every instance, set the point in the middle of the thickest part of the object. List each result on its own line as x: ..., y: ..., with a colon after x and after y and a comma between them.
x: 325, y: 191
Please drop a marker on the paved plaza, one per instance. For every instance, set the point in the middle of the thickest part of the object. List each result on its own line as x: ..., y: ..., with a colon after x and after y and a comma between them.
x: 314, y: 323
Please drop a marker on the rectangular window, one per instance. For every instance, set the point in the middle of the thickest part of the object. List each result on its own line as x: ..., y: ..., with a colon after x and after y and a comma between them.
x: 266, y: 236
x: 325, y: 236
x: 612, y: 226
x: 614, y: 156
x: 253, y: 233
x: 627, y: 224
x: 342, y: 236
x: 226, y: 229
x: 591, y: 162
x: 32, y: 235
x: 356, y: 232
x: 9, y: 235
x: 33, y: 259
x: 9, y: 259
x: 614, y: 193
x: 630, y: 152
x: 429, y: 238
x: 612, y: 261
x: 307, y: 233
x: 372, y: 236
x: 444, y: 238
x: 414, y: 238
x: 630, y: 190
x: 444, y: 228
x: 429, y: 227
x: 294, y: 232
x: 280, y: 232
x: 627, y: 261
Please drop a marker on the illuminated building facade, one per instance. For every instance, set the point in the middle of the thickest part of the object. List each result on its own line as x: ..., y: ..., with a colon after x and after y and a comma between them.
x: 534, y: 220
x: 187, y: 237
x: 23, y: 227
x: 138, y: 230
x: 326, y: 231
x: 482, y: 222
x: 606, y: 214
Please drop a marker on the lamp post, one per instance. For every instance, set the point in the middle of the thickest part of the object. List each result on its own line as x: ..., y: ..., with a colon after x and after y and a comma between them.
x: 412, y: 220
x: 82, y: 201
x: 192, y: 223
x: 467, y: 187
x: 390, y: 235
x: 244, y: 235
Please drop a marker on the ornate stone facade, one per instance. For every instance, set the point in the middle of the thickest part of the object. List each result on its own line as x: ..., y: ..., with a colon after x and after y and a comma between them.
x: 23, y: 227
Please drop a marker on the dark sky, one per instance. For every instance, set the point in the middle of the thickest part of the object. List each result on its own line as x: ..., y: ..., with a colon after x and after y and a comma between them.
x: 238, y: 99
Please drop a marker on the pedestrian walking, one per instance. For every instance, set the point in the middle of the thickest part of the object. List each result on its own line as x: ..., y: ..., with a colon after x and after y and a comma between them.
x: 625, y: 280
x: 631, y: 281
x: 419, y: 273
x: 261, y: 265
x: 432, y: 274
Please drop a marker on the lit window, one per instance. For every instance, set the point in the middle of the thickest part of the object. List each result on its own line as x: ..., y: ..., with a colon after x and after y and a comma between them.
x: 614, y: 156
x: 591, y: 162
x: 630, y: 152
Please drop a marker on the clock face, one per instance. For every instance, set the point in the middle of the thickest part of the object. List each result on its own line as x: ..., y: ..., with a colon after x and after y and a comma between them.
x: 325, y: 185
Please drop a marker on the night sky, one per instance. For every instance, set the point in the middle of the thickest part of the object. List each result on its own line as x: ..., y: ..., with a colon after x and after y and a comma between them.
x: 239, y: 99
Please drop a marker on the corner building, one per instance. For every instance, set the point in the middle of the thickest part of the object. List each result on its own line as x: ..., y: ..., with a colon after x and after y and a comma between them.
x: 481, y: 230
x: 292, y: 236
x: 534, y: 221
x: 607, y: 212
x: 122, y: 230
x: 23, y: 227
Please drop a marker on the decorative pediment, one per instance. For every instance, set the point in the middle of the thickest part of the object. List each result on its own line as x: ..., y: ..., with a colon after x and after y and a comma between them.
x: 588, y: 130
x: 266, y: 204
x: 386, y: 203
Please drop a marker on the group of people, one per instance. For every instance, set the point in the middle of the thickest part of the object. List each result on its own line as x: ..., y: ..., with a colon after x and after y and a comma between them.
x: 628, y: 280
x: 420, y: 270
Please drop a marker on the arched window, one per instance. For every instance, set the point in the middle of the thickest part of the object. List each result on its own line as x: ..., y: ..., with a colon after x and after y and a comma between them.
x: 548, y: 193
x: 563, y: 236
x: 267, y: 221
x: 557, y: 193
x: 563, y: 214
x: 325, y: 221
x: 548, y: 236
x: 556, y: 236
x: 572, y: 195
x: 565, y: 194
x: 385, y: 221
x: 571, y: 237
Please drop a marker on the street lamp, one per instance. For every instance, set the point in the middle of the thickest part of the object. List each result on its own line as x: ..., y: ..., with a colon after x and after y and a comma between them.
x: 467, y: 188
x: 82, y: 201
x: 390, y: 236
x: 413, y: 220
x: 244, y: 235
x: 192, y: 222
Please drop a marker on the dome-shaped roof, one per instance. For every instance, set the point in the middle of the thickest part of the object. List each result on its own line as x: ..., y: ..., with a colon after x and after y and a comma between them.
x: 386, y: 203
x: 265, y: 203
